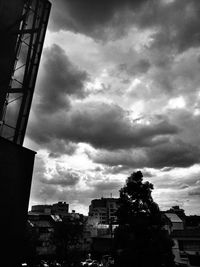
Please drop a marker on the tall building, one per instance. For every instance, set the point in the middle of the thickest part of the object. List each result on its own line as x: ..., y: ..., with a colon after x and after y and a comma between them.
x: 23, y: 26
x: 103, y: 210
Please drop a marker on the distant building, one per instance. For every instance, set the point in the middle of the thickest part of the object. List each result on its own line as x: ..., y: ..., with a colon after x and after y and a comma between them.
x: 187, y: 246
x: 178, y: 211
x: 175, y: 222
x: 185, y: 232
x: 59, y: 208
x: 103, y: 211
x: 101, y: 222
x: 41, y: 209
x: 192, y: 221
x: 44, y: 226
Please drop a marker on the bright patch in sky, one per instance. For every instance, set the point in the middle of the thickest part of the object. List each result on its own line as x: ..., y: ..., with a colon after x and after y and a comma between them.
x: 177, y: 102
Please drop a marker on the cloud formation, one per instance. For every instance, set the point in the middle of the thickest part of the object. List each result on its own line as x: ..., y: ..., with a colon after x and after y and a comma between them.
x: 174, y: 153
x: 63, y: 178
x: 119, y: 91
x: 60, y: 80
x: 91, y: 16
x: 102, y: 126
x: 95, y: 18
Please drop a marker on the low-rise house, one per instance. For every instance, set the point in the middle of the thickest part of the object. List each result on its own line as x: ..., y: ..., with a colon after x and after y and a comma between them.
x: 185, y: 232
x: 176, y: 223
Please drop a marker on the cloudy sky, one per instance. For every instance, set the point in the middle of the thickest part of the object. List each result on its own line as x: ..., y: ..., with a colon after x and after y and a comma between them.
x: 118, y: 90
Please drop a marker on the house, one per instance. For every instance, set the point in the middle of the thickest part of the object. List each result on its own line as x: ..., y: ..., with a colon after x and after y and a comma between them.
x: 185, y: 232
x: 176, y: 223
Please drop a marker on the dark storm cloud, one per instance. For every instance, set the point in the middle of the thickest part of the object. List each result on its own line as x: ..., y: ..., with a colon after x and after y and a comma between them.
x: 172, y: 154
x: 119, y: 158
x: 176, y: 24
x: 88, y: 16
x: 107, y: 126
x: 101, y: 125
x: 61, y: 79
x: 62, y: 178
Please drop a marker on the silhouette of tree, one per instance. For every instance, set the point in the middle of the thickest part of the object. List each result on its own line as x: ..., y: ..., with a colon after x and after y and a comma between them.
x: 67, y: 237
x: 140, y: 239
x: 30, y: 242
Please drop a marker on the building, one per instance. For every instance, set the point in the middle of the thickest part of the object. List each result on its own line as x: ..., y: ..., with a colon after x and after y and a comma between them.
x: 23, y: 26
x: 179, y: 212
x: 59, y: 208
x: 103, y: 211
x: 175, y: 222
x: 44, y: 225
x: 187, y: 246
x: 102, y: 220
x: 185, y: 232
x: 50, y: 220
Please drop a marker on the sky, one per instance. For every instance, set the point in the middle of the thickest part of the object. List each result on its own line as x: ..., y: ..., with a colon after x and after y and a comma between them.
x: 118, y: 90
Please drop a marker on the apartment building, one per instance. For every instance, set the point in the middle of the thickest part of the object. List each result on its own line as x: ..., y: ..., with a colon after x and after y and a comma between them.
x: 103, y: 210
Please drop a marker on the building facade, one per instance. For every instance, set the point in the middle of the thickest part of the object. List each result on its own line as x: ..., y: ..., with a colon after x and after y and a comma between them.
x: 103, y: 211
x: 185, y: 232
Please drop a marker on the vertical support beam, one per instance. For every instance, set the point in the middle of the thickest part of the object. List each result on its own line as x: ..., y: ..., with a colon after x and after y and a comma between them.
x: 30, y: 38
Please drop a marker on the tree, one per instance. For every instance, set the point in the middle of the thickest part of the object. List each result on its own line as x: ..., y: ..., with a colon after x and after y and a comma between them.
x: 140, y: 239
x: 67, y: 237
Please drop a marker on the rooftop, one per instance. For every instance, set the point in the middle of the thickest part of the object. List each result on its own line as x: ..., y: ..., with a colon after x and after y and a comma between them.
x: 173, y: 217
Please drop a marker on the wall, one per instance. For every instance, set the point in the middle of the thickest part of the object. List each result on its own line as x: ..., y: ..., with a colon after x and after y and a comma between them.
x: 16, y: 167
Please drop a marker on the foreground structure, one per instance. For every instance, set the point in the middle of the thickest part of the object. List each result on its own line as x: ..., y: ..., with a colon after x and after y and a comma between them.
x: 23, y: 26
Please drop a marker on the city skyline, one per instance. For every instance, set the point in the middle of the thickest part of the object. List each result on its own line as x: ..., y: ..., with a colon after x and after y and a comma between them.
x: 118, y: 91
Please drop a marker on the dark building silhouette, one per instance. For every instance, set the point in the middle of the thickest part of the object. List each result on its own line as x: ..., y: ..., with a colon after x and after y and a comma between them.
x: 22, y: 28
x: 16, y: 166
x: 59, y: 208
x: 185, y: 232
